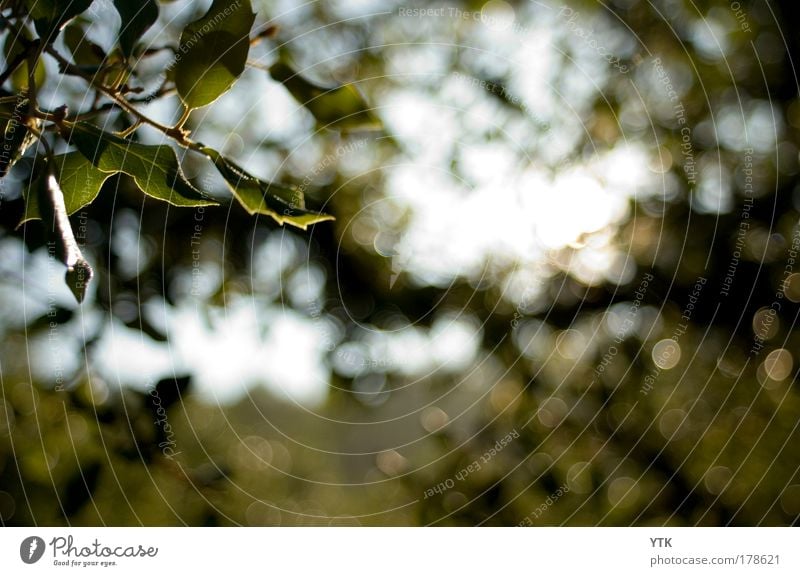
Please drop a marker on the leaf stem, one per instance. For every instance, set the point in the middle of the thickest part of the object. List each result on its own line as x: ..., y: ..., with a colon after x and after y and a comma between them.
x: 68, y: 68
x: 182, y: 120
x: 129, y: 130
x: 257, y: 65
x: 177, y: 133
x: 108, y: 106
x: 48, y: 150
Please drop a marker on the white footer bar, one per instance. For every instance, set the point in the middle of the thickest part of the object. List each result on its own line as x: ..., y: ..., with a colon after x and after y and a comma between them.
x: 400, y: 551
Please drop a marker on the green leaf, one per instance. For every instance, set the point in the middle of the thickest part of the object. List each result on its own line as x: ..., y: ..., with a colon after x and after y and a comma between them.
x: 284, y: 205
x: 155, y: 169
x: 84, y: 51
x: 49, y: 16
x: 103, y: 69
x: 80, y: 183
x: 213, y: 52
x: 19, y: 79
x: 339, y: 107
x: 137, y: 18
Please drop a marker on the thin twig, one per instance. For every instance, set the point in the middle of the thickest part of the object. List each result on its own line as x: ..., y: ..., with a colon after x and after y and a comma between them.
x: 184, y: 117
x: 178, y: 134
x: 257, y: 65
x: 129, y: 130
x: 108, y: 106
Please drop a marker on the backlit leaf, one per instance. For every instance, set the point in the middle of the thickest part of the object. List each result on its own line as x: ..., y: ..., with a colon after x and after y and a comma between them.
x: 284, y: 205
x: 84, y: 51
x: 137, y: 18
x: 155, y: 169
x: 49, y: 16
x: 19, y: 79
x: 213, y: 52
x: 339, y: 107
x: 80, y: 183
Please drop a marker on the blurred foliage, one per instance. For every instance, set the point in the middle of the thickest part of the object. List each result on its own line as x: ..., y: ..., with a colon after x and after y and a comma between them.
x: 608, y: 423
